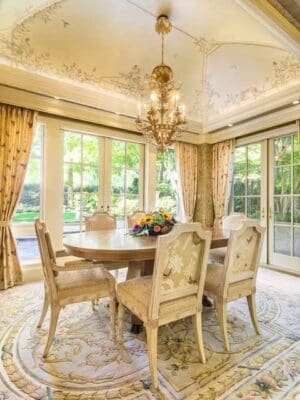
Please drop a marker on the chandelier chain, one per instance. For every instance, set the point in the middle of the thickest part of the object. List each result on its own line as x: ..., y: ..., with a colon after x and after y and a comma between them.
x: 162, y: 48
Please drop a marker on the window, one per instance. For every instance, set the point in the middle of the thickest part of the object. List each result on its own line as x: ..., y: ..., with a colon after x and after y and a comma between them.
x: 29, y: 207
x: 126, y: 179
x: 81, y: 178
x: 286, y: 195
x: 167, y: 181
x: 247, y: 180
x: 30, y: 202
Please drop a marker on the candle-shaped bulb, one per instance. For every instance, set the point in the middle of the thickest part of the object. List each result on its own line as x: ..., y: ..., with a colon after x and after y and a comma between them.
x: 183, y: 110
x: 139, y: 109
x: 176, y: 98
x: 153, y: 97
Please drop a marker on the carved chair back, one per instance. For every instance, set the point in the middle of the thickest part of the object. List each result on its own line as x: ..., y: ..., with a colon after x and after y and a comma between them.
x: 133, y: 218
x: 233, y: 220
x: 180, y: 266
x: 47, y: 257
x: 243, y: 255
x: 100, y: 220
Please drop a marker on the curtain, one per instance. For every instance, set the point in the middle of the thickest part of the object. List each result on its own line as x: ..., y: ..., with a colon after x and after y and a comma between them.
x: 16, y: 131
x: 222, y: 178
x: 187, y: 160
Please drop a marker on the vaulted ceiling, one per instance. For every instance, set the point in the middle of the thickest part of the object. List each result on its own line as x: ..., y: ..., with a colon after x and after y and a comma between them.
x: 224, y: 58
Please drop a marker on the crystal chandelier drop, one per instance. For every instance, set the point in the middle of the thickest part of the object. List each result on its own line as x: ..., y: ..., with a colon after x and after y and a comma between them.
x: 165, y: 116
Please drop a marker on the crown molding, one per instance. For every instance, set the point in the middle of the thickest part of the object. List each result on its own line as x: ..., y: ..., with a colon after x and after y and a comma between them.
x: 81, y: 95
x: 260, y: 106
x: 274, y: 21
x: 258, y: 124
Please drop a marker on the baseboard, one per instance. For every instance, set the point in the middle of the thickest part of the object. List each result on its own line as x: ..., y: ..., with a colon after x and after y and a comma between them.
x: 32, y: 273
x: 281, y: 269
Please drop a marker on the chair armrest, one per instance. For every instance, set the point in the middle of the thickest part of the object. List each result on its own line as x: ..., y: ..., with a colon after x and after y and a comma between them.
x: 61, y: 253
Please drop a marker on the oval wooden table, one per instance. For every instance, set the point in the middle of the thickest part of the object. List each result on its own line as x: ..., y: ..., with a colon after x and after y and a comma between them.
x: 118, y: 245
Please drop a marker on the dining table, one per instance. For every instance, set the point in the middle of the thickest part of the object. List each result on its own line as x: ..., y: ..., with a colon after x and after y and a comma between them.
x: 117, y: 245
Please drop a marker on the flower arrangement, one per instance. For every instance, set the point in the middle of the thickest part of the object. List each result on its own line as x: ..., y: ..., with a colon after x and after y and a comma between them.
x: 154, y: 223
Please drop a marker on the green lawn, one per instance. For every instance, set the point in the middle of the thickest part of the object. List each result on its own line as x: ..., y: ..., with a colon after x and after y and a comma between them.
x: 30, y: 216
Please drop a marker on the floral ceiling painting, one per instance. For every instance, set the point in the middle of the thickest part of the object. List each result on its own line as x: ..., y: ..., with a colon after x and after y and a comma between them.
x: 221, y: 60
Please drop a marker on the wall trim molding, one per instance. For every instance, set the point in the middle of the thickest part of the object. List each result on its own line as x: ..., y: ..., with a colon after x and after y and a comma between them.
x: 283, y: 98
x: 96, y: 119
x: 272, y: 20
x: 272, y: 120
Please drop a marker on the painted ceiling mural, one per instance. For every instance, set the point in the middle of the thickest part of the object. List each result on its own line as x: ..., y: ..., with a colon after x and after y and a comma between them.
x: 221, y: 57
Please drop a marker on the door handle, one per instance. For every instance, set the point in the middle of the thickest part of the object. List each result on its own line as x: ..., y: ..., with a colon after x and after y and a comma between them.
x: 270, y: 213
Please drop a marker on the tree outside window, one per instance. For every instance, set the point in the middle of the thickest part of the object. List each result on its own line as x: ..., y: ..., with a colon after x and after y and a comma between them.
x: 126, y: 195
x: 81, y: 178
x: 167, y: 181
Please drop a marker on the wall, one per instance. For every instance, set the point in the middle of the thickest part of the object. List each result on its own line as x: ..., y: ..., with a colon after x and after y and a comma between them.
x: 204, y: 205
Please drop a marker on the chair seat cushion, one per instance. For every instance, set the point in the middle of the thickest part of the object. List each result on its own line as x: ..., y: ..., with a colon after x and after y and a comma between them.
x: 214, y: 277
x: 82, y: 284
x: 135, y: 294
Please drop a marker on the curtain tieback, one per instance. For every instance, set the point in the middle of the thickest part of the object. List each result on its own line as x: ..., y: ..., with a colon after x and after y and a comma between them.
x: 4, y: 224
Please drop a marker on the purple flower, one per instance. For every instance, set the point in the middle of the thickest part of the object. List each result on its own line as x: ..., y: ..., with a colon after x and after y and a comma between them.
x: 136, y: 228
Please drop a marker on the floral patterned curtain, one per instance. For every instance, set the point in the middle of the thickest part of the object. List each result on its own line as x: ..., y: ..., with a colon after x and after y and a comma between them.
x: 16, y: 131
x: 222, y: 178
x: 187, y: 160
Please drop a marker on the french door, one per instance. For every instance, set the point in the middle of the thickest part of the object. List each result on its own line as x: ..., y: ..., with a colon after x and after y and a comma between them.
x: 284, y: 202
x: 250, y: 184
x: 100, y: 173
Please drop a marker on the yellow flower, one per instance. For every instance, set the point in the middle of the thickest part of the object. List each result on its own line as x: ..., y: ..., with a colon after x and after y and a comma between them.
x: 167, y: 215
x: 148, y: 218
x: 142, y: 221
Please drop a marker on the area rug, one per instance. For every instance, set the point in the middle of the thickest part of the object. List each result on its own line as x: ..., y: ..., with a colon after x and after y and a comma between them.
x: 84, y: 363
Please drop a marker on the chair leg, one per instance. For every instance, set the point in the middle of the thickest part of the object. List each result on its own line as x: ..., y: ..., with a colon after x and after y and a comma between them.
x: 120, y: 322
x: 112, y: 312
x: 44, y: 310
x: 197, y: 322
x: 152, y: 354
x: 222, y: 315
x: 53, y: 322
x: 252, y: 310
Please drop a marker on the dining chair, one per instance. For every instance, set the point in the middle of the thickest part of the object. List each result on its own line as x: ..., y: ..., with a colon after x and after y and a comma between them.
x: 237, y: 277
x: 229, y: 222
x: 173, y: 292
x: 100, y: 220
x: 73, y: 282
x: 133, y: 218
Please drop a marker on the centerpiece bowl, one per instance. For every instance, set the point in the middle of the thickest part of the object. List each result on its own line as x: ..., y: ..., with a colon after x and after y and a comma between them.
x: 154, y: 223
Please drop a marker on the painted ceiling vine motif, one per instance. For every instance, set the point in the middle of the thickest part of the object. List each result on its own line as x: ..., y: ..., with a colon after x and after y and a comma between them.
x: 283, y: 73
x: 17, y: 47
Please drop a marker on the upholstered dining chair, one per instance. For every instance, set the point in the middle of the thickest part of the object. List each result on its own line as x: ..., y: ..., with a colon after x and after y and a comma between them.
x: 175, y: 290
x: 100, y: 220
x: 133, y: 218
x: 229, y: 222
x: 236, y: 278
x: 74, y: 282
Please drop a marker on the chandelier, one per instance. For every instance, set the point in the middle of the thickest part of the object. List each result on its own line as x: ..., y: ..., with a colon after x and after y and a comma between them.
x: 165, y: 116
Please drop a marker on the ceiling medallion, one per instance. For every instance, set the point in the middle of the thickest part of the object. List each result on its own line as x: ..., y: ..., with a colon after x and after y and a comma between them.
x: 165, y: 117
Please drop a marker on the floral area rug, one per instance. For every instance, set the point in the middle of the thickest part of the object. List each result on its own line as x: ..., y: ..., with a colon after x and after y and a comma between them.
x: 84, y: 363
